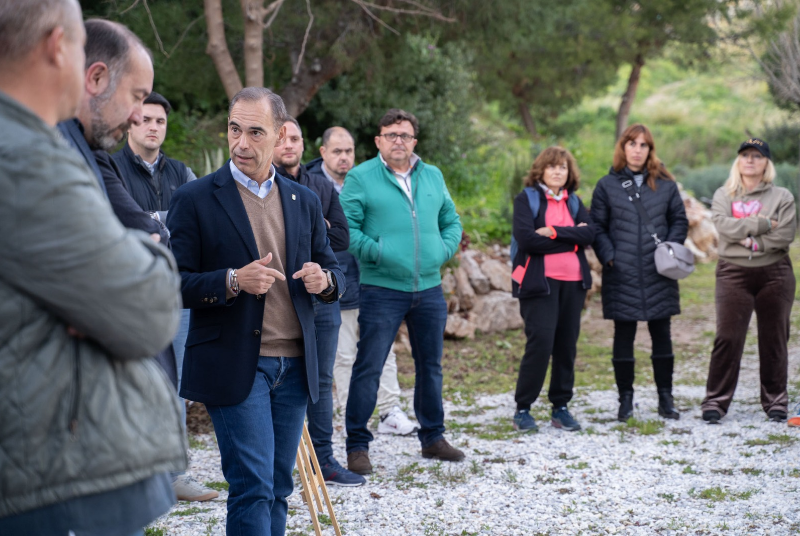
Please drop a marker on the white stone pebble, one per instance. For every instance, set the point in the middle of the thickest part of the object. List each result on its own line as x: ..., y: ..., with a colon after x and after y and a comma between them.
x: 739, y: 477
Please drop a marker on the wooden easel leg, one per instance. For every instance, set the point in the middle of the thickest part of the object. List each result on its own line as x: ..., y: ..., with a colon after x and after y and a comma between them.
x: 319, y: 480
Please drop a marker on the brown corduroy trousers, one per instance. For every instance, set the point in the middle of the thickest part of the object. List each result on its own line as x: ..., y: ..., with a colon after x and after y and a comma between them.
x: 769, y: 290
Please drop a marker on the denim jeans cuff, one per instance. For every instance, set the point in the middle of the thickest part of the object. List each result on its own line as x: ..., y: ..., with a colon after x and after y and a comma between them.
x: 431, y: 442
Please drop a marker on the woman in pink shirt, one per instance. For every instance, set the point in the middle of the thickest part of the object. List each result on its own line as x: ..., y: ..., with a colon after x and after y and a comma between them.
x: 551, y: 277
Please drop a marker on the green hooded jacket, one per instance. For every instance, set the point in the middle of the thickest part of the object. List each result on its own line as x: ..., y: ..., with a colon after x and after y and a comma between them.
x: 401, y: 244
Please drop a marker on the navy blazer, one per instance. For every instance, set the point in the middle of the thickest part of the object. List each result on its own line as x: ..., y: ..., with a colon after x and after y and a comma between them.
x: 210, y: 234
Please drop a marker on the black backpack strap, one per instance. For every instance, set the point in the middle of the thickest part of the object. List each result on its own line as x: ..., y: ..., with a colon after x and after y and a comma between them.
x: 633, y: 197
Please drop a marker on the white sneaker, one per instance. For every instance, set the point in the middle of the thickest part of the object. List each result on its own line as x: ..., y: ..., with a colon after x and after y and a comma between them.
x: 396, y: 422
x: 188, y: 489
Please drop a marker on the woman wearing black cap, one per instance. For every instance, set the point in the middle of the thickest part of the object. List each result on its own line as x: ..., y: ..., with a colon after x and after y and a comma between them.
x: 632, y: 288
x: 756, y: 223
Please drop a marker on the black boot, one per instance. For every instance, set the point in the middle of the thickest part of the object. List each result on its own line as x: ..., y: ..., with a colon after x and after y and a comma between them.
x: 662, y: 373
x: 665, y: 406
x: 624, y: 373
x: 625, y: 406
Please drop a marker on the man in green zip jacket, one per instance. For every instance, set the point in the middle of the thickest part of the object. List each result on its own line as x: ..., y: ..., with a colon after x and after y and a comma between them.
x: 403, y: 227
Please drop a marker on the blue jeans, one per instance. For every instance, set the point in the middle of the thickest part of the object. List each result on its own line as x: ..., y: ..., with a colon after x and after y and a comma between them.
x: 327, y: 319
x: 258, y: 441
x: 179, y: 345
x: 381, y: 313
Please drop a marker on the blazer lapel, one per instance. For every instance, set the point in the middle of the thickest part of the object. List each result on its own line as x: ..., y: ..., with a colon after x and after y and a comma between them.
x: 291, y: 214
x: 228, y: 196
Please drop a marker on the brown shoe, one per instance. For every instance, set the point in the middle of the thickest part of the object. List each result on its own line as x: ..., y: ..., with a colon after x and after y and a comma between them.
x: 358, y: 462
x: 442, y: 450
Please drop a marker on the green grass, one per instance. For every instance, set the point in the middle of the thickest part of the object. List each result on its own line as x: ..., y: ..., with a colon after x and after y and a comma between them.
x: 196, y: 444
x: 640, y: 426
x: 189, y: 511
x: 152, y: 531
x: 772, y: 439
x: 718, y: 494
x: 578, y: 466
x: 218, y: 486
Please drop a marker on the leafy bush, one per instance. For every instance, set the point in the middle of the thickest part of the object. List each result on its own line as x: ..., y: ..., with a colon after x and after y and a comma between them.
x: 703, y: 182
x: 432, y: 82
x: 784, y: 140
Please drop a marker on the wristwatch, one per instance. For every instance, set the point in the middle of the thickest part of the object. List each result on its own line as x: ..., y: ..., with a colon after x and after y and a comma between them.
x: 330, y: 288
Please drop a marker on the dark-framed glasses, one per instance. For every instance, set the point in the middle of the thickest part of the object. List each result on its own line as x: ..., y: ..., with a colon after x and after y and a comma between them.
x: 392, y: 137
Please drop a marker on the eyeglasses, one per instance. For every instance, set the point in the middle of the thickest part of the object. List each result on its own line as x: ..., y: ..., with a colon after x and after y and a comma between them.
x: 392, y: 137
x: 753, y: 156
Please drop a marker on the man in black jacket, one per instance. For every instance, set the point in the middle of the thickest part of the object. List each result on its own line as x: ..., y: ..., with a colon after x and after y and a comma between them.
x: 118, y: 78
x: 149, y: 175
x: 151, y: 178
x: 327, y: 318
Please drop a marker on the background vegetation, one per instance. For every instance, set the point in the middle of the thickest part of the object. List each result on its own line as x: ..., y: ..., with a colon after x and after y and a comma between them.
x: 492, y: 83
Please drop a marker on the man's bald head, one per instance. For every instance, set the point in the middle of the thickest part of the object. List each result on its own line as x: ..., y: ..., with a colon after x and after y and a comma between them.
x: 23, y: 25
x: 335, y: 132
x: 338, y: 152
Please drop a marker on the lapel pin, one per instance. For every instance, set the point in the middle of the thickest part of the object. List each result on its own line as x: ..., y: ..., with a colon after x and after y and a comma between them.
x: 293, y: 197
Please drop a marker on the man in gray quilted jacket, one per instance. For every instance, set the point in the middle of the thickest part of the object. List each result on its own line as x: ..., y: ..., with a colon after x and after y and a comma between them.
x: 89, y: 425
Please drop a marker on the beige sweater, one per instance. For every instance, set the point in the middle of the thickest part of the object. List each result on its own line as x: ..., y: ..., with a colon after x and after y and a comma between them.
x: 281, y: 333
x: 737, y: 218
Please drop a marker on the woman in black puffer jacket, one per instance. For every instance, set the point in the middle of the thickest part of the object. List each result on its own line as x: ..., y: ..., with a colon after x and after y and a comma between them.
x: 632, y: 288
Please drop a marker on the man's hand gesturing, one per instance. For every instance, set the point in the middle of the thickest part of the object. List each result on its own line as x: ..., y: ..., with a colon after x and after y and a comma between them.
x: 314, y: 278
x: 256, y: 278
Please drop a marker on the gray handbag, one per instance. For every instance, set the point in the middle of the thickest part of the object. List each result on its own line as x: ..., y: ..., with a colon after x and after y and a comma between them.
x: 673, y: 260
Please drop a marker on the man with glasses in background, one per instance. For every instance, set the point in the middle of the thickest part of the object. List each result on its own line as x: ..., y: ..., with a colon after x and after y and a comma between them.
x: 403, y: 227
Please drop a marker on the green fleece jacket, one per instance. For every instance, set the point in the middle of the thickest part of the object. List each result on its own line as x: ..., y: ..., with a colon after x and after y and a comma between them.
x: 401, y: 244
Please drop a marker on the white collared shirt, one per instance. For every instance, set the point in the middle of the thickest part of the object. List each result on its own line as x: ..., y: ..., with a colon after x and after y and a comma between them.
x: 336, y: 185
x: 250, y: 184
x: 403, y: 179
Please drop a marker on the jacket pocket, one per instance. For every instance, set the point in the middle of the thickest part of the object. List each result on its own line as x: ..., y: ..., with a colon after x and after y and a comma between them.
x: 204, y: 334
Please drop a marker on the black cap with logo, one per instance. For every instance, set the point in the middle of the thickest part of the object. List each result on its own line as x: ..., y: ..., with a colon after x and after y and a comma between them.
x: 759, y: 145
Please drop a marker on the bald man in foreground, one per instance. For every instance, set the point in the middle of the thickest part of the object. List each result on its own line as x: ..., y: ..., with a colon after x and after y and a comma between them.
x: 90, y: 426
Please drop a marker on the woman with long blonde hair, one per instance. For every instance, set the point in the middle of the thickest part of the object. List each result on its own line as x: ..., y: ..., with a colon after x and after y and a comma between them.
x: 756, y: 223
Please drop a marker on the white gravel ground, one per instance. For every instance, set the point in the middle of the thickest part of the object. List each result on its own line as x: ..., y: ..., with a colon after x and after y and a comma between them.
x: 740, y: 477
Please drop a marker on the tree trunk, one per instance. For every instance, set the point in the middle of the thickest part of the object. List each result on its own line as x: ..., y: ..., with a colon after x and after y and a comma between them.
x: 298, y: 93
x: 629, y: 96
x: 527, y: 119
x: 253, y: 43
x: 218, y: 48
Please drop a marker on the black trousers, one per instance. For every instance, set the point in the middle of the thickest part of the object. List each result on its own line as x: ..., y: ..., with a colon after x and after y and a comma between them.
x: 662, y: 356
x: 552, y: 326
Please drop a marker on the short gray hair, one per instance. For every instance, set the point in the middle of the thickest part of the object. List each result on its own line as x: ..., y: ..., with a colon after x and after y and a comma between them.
x: 24, y: 24
x: 257, y: 94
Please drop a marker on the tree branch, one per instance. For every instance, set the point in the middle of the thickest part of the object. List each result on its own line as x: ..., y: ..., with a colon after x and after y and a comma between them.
x: 273, y: 8
x: 155, y: 30
x: 373, y: 16
x: 305, y: 38
x: 133, y: 5
x: 421, y: 10
x: 218, y: 48
x: 183, y: 35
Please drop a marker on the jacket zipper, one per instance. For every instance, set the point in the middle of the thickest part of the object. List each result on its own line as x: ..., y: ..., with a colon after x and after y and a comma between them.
x: 417, y: 262
x: 76, y: 394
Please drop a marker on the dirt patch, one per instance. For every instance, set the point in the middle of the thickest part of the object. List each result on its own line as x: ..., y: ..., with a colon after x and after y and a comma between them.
x: 198, y: 421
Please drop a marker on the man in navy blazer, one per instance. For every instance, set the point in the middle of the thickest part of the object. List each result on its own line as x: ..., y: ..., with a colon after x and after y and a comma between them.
x: 252, y: 263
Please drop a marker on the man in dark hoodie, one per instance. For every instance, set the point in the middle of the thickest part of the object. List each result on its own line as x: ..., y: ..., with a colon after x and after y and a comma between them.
x: 327, y: 318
